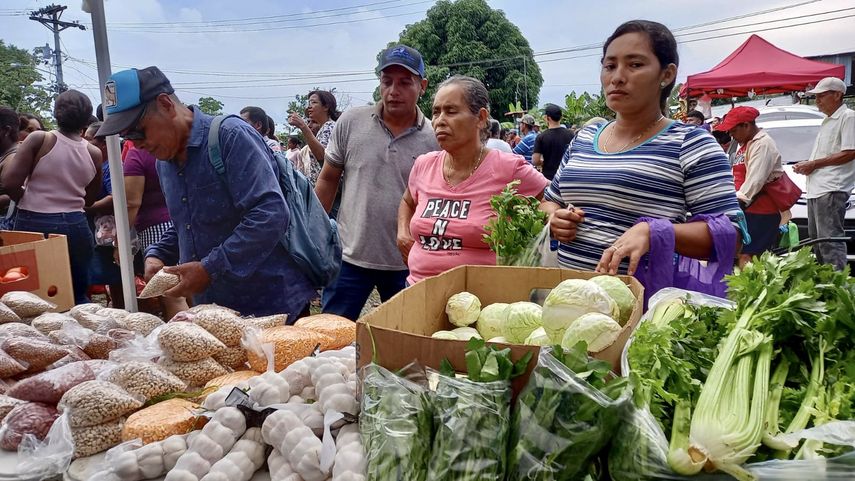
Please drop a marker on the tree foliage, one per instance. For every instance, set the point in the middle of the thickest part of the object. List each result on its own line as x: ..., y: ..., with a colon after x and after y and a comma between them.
x: 490, y: 47
x: 578, y: 109
x: 21, y: 85
x: 210, y: 106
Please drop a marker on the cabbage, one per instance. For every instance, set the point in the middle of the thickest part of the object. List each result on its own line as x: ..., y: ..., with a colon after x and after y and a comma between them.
x: 522, y: 319
x: 598, y: 330
x: 538, y: 337
x: 571, y: 299
x: 466, y: 333
x: 444, y: 335
x: 620, y: 293
x: 463, y: 309
x: 491, y: 320
x: 498, y: 339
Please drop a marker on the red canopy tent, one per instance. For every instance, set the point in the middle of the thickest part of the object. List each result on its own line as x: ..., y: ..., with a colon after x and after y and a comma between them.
x: 762, y: 67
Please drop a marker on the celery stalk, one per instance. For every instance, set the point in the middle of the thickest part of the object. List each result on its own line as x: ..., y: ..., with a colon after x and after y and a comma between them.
x: 777, y: 388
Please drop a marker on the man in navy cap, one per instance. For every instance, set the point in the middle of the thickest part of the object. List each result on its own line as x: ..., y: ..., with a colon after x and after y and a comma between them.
x: 375, y: 147
x: 227, y: 228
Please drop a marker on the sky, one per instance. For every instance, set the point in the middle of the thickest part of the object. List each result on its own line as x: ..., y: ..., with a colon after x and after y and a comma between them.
x: 284, y: 48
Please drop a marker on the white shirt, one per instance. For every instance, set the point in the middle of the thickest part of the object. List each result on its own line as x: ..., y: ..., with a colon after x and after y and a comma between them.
x: 836, y: 134
x: 499, y: 144
x: 762, y: 165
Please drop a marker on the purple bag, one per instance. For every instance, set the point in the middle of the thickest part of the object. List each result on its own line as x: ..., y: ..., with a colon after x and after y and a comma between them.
x: 662, y: 267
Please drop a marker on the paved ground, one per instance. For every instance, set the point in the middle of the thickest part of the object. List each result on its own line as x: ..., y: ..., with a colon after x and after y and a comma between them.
x: 373, y: 302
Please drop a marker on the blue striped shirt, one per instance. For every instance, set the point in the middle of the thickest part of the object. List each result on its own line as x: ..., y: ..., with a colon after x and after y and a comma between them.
x: 680, y: 170
x: 526, y: 146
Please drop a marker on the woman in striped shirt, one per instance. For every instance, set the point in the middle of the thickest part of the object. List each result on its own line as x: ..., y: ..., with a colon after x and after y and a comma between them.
x: 640, y: 165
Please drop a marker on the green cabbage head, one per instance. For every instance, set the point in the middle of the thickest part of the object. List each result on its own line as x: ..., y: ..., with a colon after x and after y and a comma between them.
x: 620, y: 293
x: 570, y: 300
x: 463, y: 309
x: 598, y: 330
x: 537, y: 337
x: 522, y: 319
x: 491, y: 320
x: 466, y: 333
x: 444, y: 335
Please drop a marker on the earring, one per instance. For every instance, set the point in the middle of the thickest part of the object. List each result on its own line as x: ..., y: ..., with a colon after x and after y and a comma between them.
x: 662, y: 85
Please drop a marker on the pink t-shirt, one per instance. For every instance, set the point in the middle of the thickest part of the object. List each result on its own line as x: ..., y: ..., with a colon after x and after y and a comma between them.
x: 448, y: 225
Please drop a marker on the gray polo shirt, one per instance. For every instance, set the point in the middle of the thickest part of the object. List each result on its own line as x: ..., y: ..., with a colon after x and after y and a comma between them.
x: 376, y: 171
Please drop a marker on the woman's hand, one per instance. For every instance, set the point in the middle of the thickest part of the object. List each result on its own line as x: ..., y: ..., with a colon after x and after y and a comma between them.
x: 564, y: 222
x: 297, y: 121
x: 634, y: 243
x: 405, y: 244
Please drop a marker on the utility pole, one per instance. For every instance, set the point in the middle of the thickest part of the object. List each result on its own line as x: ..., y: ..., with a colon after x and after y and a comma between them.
x: 49, y: 17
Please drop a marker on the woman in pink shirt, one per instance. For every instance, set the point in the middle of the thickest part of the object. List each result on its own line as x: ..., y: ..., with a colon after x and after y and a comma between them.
x: 446, y: 206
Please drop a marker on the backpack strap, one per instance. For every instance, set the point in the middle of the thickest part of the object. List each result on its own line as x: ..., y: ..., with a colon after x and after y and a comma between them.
x: 215, y: 155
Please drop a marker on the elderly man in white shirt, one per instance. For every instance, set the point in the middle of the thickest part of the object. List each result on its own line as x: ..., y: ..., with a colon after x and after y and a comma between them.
x: 830, y: 171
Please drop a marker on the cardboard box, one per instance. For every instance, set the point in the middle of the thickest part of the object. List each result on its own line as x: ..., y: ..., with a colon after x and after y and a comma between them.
x: 46, y: 262
x: 401, y: 327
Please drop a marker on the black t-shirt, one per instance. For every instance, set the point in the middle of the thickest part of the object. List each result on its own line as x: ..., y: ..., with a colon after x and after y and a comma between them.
x: 551, y: 145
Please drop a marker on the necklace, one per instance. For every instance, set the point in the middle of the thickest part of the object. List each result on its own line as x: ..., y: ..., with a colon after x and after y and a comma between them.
x: 447, y: 175
x: 636, y: 139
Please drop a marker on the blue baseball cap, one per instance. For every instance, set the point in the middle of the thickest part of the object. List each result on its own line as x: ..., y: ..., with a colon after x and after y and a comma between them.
x: 402, y: 55
x: 125, y: 96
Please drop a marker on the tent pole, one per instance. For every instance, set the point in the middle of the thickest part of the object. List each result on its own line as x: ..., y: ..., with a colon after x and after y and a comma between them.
x: 114, y: 156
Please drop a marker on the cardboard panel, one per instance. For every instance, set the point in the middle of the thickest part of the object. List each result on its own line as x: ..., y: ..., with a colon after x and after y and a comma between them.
x: 401, y: 327
x: 47, y: 261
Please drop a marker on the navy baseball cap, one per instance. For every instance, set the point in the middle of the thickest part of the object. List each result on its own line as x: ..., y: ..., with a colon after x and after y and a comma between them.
x: 126, y: 94
x: 402, y: 55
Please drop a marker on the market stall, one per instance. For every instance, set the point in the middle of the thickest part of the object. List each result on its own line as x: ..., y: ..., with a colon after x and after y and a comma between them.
x: 758, y: 66
x: 460, y: 377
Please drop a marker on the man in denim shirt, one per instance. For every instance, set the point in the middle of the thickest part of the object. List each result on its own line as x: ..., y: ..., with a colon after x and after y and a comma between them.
x: 227, y: 229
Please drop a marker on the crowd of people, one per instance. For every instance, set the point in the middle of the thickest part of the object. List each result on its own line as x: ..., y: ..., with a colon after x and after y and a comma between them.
x: 410, y: 193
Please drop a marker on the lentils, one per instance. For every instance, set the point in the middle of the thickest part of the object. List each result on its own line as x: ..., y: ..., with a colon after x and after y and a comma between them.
x: 35, y: 353
x: 225, y: 326
x: 187, y: 342
x: 232, y: 357
x: 94, y: 439
x: 97, y: 402
x: 51, y: 321
x: 195, y: 373
x: 145, y: 379
x: 142, y: 323
x: 159, y: 284
x: 26, y: 304
x: 7, y: 314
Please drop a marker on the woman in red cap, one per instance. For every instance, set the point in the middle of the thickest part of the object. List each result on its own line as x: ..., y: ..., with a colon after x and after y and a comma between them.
x: 757, y: 164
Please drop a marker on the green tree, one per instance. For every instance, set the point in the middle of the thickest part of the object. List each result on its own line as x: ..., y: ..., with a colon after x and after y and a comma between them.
x: 467, y: 37
x: 578, y: 109
x: 21, y: 85
x: 210, y: 106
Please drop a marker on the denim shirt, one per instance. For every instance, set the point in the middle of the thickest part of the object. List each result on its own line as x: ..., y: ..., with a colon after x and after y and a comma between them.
x: 232, y: 223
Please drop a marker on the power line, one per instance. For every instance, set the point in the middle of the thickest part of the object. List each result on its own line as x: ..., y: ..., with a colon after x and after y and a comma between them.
x: 599, y: 45
x: 285, y: 27
x: 271, y: 17
x: 275, y: 24
x: 323, y: 77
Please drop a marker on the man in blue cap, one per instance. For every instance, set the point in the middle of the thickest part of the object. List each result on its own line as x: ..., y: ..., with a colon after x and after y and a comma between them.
x: 375, y: 148
x: 227, y: 228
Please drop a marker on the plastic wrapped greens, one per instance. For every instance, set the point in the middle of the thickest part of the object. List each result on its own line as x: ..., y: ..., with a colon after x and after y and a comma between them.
x: 564, y: 419
x: 396, y: 424
x: 473, y: 415
x: 473, y: 425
